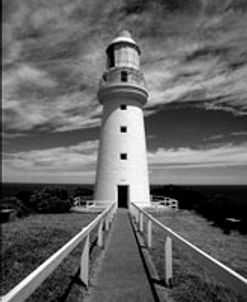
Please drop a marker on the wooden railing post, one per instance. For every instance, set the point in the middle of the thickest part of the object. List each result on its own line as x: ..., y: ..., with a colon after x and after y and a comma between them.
x: 100, y: 234
x: 137, y: 216
x: 107, y: 224
x: 113, y: 211
x: 149, y: 231
x: 168, y: 261
x: 112, y: 214
x: 141, y: 223
x: 84, y: 267
x: 131, y: 210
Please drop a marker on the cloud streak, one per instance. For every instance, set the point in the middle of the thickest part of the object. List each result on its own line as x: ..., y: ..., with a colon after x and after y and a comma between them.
x: 222, y: 156
x: 74, y: 163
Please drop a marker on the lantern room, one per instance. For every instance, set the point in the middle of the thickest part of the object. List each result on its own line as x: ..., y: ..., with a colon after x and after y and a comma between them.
x: 123, y: 52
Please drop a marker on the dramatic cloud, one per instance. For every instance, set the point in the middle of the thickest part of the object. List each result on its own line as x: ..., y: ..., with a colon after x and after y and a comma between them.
x: 71, y: 164
x: 194, y: 59
x: 77, y: 163
x: 54, y: 56
x: 240, y: 133
x: 225, y: 164
x: 223, y: 156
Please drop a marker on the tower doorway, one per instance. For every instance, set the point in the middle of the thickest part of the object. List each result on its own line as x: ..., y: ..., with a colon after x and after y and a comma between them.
x: 123, y: 197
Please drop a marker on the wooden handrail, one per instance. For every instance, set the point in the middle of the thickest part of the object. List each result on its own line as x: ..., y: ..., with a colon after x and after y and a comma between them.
x: 28, y: 285
x: 237, y: 282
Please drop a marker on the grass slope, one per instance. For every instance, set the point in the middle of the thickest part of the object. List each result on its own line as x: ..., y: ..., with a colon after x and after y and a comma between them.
x: 191, y: 281
x: 26, y: 243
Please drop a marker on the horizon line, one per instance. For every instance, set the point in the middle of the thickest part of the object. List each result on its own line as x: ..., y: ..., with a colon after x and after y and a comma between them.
x: 151, y: 184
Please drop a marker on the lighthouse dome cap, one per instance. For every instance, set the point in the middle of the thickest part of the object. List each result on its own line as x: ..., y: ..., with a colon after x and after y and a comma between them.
x: 124, y: 36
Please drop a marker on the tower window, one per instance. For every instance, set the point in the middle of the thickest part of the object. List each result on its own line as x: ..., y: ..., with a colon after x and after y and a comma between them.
x: 123, y: 107
x: 123, y: 156
x: 123, y: 129
x: 124, y: 76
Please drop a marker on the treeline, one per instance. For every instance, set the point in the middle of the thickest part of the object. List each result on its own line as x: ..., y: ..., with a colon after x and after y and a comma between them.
x: 52, y: 199
x: 215, y: 207
x: 57, y: 199
x: 12, y: 189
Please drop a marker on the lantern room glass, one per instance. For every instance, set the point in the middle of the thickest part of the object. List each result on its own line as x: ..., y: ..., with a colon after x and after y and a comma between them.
x: 125, y: 56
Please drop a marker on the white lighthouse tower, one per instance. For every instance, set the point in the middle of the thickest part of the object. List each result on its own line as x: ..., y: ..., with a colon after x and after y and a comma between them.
x: 122, y: 172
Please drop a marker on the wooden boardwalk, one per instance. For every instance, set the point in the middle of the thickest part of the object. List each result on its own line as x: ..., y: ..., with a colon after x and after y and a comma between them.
x: 122, y: 276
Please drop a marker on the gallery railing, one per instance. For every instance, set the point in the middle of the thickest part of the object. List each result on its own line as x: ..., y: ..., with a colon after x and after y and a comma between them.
x: 133, y: 76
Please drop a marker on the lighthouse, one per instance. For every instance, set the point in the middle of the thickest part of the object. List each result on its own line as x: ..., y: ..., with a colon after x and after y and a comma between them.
x: 122, y: 170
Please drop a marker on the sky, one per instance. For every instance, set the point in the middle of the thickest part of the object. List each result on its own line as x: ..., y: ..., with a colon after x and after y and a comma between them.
x: 194, y: 59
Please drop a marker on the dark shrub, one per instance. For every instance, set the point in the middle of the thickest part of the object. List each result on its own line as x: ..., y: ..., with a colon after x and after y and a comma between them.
x: 15, y: 204
x: 58, y: 192
x: 188, y: 199
x: 24, y: 196
x: 215, y: 207
x: 44, y: 202
x: 80, y: 191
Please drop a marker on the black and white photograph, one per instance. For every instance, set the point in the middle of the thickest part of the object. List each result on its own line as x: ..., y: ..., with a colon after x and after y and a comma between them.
x: 124, y: 151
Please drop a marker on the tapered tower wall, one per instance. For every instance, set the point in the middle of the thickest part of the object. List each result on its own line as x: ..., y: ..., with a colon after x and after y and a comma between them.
x: 112, y: 171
